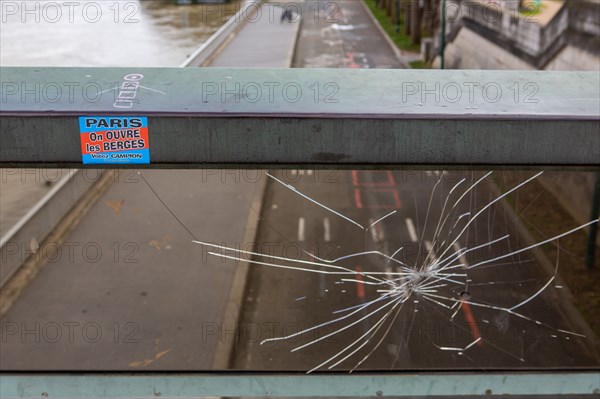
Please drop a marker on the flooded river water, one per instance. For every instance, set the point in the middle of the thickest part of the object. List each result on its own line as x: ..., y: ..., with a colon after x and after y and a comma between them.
x: 105, y: 33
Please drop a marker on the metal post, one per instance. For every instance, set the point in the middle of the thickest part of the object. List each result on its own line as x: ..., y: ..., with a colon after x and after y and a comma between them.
x: 590, y: 255
x: 398, y: 16
x: 443, y: 44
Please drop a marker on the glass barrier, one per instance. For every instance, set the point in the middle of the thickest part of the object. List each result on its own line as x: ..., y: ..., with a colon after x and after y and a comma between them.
x: 304, y: 270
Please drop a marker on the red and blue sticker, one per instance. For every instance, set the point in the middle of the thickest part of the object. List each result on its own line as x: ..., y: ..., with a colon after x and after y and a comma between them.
x: 114, y: 140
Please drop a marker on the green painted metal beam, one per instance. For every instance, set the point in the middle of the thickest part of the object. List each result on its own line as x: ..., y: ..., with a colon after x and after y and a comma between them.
x: 299, y: 385
x: 207, y: 117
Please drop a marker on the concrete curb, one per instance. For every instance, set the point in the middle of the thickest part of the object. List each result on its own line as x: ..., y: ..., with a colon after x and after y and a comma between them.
x: 204, y: 55
x: 389, y: 41
x: 24, y: 237
x: 53, y: 217
x: 233, y: 310
x: 293, y: 48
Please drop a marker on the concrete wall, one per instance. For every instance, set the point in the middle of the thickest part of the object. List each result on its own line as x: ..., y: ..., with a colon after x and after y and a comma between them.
x: 469, y: 50
x: 483, y: 37
x: 472, y: 51
x: 571, y: 42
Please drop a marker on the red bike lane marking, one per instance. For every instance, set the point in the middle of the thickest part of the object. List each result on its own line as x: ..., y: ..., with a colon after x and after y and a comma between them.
x: 357, y: 198
x: 471, y: 321
x: 360, y: 287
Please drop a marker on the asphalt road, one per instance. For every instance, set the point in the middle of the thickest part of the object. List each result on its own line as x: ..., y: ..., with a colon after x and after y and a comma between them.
x: 423, y: 334
x: 283, y: 302
x: 341, y: 35
x: 127, y: 289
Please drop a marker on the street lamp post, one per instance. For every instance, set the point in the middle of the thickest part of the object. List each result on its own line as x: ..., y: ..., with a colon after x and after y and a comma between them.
x: 443, y: 41
x: 591, y: 245
x: 398, y: 16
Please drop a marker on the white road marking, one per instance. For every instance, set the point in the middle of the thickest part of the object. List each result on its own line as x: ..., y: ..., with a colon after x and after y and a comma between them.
x: 380, y: 232
x: 326, y: 230
x: 429, y: 247
x: 411, y: 230
x: 462, y: 258
x: 301, y: 228
x: 388, y: 273
x: 373, y: 232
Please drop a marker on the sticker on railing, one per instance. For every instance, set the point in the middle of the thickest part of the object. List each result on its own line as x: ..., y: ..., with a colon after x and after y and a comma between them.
x: 114, y: 140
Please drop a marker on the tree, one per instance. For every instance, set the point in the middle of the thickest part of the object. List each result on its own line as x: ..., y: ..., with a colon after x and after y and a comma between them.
x: 406, y: 16
x: 415, y: 28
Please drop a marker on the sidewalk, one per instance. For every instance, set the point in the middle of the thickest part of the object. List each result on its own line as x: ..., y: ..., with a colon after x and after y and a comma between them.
x: 263, y: 42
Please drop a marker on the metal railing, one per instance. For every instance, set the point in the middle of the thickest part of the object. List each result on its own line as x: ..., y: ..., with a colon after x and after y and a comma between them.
x: 396, y: 384
x: 211, y: 117
x: 205, y: 118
